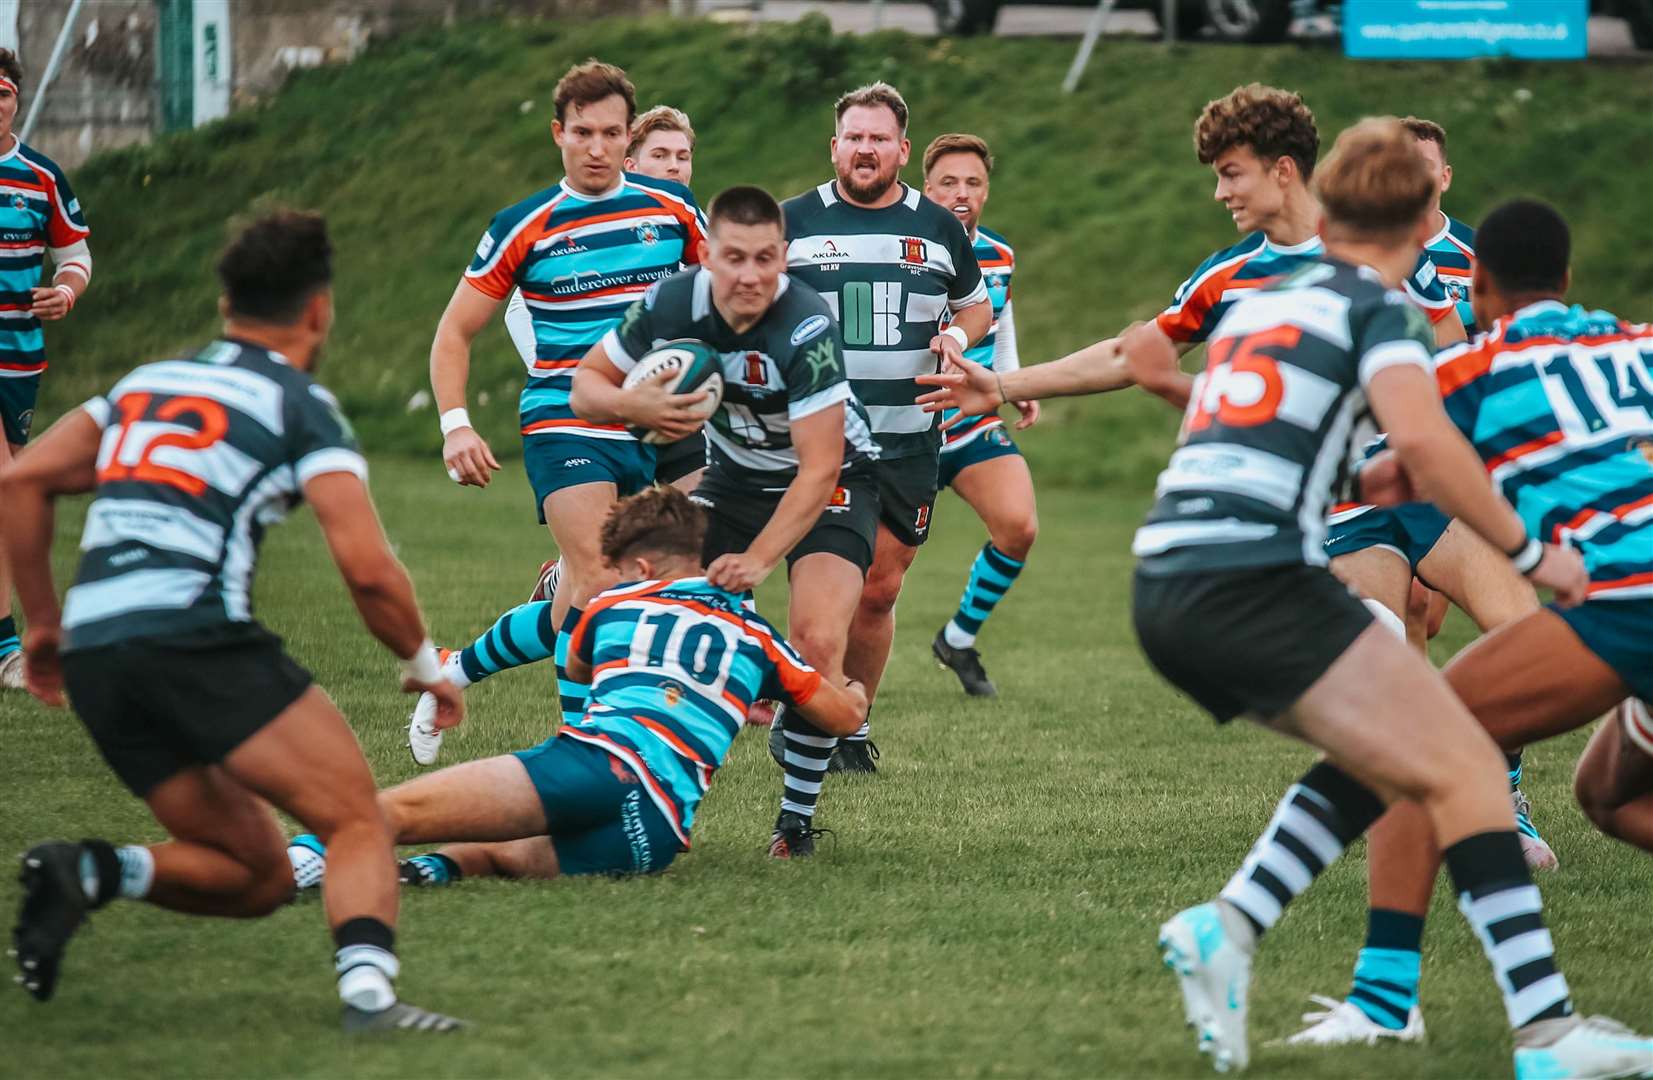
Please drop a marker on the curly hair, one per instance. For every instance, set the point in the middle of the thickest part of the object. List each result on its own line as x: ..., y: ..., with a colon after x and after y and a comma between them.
x: 1426, y: 131
x: 1375, y: 182
x: 1271, y: 123
x: 659, y: 521
x: 274, y: 264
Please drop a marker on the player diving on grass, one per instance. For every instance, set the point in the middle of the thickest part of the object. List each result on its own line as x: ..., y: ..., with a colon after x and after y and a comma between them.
x: 674, y: 662
x: 978, y: 459
x: 1558, y: 401
x: 1234, y: 605
x: 581, y: 252
x: 196, y: 707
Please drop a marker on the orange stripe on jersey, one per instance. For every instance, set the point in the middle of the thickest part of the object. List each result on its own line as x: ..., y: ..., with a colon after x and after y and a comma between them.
x: 1643, y: 578
x: 556, y: 365
x: 632, y: 758
x: 548, y: 425
x: 1463, y: 369
x: 1185, y: 322
x: 788, y: 670
x: 610, y: 665
x: 1515, y: 453
x: 670, y: 738
x: 1578, y: 521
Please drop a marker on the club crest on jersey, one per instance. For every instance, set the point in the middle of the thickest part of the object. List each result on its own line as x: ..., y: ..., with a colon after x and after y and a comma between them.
x: 18, y: 202
x: 648, y: 233
x: 839, y: 501
x: 674, y: 694
x: 912, y: 251
x: 921, y: 520
x: 757, y: 373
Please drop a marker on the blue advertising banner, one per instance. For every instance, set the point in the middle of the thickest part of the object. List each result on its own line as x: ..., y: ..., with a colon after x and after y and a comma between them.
x: 1459, y: 29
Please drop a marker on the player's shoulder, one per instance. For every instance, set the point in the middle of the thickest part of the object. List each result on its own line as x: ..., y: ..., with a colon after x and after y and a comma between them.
x: 990, y: 239
x: 675, y: 289
x: 538, y: 203
x: 41, y: 163
x: 658, y: 188
x: 801, y: 313
x: 1461, y: 231
x: 1228, y: 259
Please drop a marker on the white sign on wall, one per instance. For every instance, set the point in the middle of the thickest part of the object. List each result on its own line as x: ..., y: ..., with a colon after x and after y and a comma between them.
x: 8, y: 24
x: 213, y: 53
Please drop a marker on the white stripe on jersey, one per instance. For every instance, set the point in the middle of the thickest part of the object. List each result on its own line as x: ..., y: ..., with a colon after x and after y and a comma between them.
x: 504, y: 243
x: 1390, y: 353
x: 1320, y: 312
x: 971, y: 299
x: 220, y: 466
x: 1311, y: 516
x: 156, y: 525
x: 1304, y: 396
x: 867, y: 364
x: 925, y: 307
x: 1162, y: 537
x: 239, y: 557
x: 241, y: 389
x: 878, y: 249
x: 99, y: 410
x: 136, y: 590
x: 814, y: 403
x: 899, y: 419
x: 1240, y: 470
x: 625, y: 224
x: 578, y: 303
x: 330, y: 460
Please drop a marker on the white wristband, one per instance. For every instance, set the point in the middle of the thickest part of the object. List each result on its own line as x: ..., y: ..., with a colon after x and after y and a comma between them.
x: 959, y: 336
x: 453, y: 420
x: 67, y: 291
x: 423, y: 666
x: 1527, y: 559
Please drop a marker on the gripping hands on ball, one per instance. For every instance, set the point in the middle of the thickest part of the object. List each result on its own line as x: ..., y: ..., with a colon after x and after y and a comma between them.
x: 648, y: 404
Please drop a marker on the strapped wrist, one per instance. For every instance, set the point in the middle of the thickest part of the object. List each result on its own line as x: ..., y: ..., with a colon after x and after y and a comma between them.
x: 1526, y: 558
x: 453, y: 420
x: 424, y: 666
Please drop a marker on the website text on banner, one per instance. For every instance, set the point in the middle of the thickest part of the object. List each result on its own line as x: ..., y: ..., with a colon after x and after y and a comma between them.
x: 1459, y: 29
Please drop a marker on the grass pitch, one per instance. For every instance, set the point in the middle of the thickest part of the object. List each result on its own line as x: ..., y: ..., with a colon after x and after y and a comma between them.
x: 988, y: 906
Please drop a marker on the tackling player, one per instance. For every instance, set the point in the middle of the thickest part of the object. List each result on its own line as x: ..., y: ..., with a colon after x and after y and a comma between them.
x: 1233, y: 603
x: 893, y: 265
x: 39, y: 213
x: 978, y: 459
x: 1559, y: 403
x: 194, y: 705
x: 581, y: 252
x: 677, y: 662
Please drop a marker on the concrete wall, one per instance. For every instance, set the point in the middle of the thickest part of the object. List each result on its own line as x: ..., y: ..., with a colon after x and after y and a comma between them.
x: 104, y: 93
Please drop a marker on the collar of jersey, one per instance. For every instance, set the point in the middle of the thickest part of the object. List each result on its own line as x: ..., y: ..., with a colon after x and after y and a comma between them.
x: 583, y: 197
x: 1446, y: 227
x: 1541, y: 307
x: 838, y: 196
x: 1307, y: 247
x: 271, y: 353
x: 16, y: 146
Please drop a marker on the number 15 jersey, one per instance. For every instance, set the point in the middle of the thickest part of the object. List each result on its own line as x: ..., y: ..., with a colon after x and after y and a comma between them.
x: 1276, y: 419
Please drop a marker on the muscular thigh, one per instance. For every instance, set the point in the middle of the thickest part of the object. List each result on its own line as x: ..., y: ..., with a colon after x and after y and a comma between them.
x: 999, y: 490
x: 206, y: 805
x: 492, y: 799
x: 575, y: 516
x: 307, y: 762
x: 1477, y: 578
x: 1377, y: 573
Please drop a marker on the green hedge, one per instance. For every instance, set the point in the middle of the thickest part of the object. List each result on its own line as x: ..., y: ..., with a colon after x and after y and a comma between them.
x: 412, y: 148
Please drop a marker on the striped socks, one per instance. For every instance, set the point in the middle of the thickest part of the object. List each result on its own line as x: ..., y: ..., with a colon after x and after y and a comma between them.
x: 521, y: 636
x: 808, y: 750
x: 573, y: 695
x: 1497, y: 896
x: 1320, y: 815
x: 1388, y: 968
x: 991, y: 576
x: 9, y: 641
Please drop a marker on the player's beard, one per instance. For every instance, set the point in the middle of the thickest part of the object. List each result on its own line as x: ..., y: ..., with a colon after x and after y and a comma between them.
x: 871, y: 192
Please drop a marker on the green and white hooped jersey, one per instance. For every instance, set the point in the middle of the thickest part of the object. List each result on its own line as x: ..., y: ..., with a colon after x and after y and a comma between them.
x: 788, y: 366
x: 890, y: 276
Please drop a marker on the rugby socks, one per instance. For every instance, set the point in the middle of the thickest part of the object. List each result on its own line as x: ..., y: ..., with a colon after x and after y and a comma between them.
x: 808, y: 750
x: 107, y: 872
x: 1388, y: 968
x: 1497, y: 896
x: 523, y: 635
x: 366, y: 962
x: 1320, y: 815
x: 9, y: 641
x: 991, y: 576
x: 432, y: 869
x: 1513, y: 761
x: 573, y: 694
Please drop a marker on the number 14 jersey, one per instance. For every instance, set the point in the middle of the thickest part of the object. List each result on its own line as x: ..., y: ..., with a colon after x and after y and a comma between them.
x: 1276, y: 419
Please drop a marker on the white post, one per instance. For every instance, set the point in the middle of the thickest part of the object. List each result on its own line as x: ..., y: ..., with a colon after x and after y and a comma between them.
x: 51, y: 70
x: 1168, y: 21
x: 1093, y: 33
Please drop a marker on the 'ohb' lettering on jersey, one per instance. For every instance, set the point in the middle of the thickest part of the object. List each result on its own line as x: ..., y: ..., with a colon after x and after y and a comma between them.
x: 1275, y: 420
x: 890, y: 275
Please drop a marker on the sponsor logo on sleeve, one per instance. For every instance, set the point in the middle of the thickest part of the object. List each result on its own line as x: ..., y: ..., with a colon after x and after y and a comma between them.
x: 485, y: 245
x: 809, y: 328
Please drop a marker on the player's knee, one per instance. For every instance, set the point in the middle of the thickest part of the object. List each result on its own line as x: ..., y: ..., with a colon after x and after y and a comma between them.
x: 879, y: 594
x: 272, y: 888
x: 822, y: 646
x: 1016, y: 540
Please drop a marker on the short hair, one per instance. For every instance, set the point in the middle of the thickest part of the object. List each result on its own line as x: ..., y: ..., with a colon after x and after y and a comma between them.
x: 11, y: 68
x: 745, y: 205
x: 957, y: 142
x: 1271, y: 123
x: 659, y: 521
x: 659, y: 118
x: 1525, y: 246
x: 591, y: 82
x: 871, y: 96
x: 1375, y: 182
x: 273, y: 266
x: 1426, y: 131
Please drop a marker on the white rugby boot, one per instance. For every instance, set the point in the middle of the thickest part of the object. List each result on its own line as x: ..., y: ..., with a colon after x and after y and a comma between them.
x: 1576, y: 1048
x: 1214, y: 972
x: 309, y: 858
x: 424, y: 737
x: 11, y: 671
x: 1340, y: 1023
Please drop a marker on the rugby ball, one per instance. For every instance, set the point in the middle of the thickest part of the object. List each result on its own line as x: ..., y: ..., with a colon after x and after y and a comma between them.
x: 697, y: 366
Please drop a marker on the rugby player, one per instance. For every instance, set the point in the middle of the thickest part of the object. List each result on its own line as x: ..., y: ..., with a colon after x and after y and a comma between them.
x: 1233, y: 603
x: 978, y: 459
x: 38, y: 214
x: 1559, y: 402
x: 894, y: 266
x: 581, y: 252
x: 192, y: 703
x: 678, y: 660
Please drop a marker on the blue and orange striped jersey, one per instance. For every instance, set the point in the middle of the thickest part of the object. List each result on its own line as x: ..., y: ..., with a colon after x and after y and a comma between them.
x: 37, y: 211
x: 998, y: 263
x: 1559, y: 403
x: 580, y: 261
x: 675, y: 667
x: 1202, y: 301
x: 1452, y: 250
